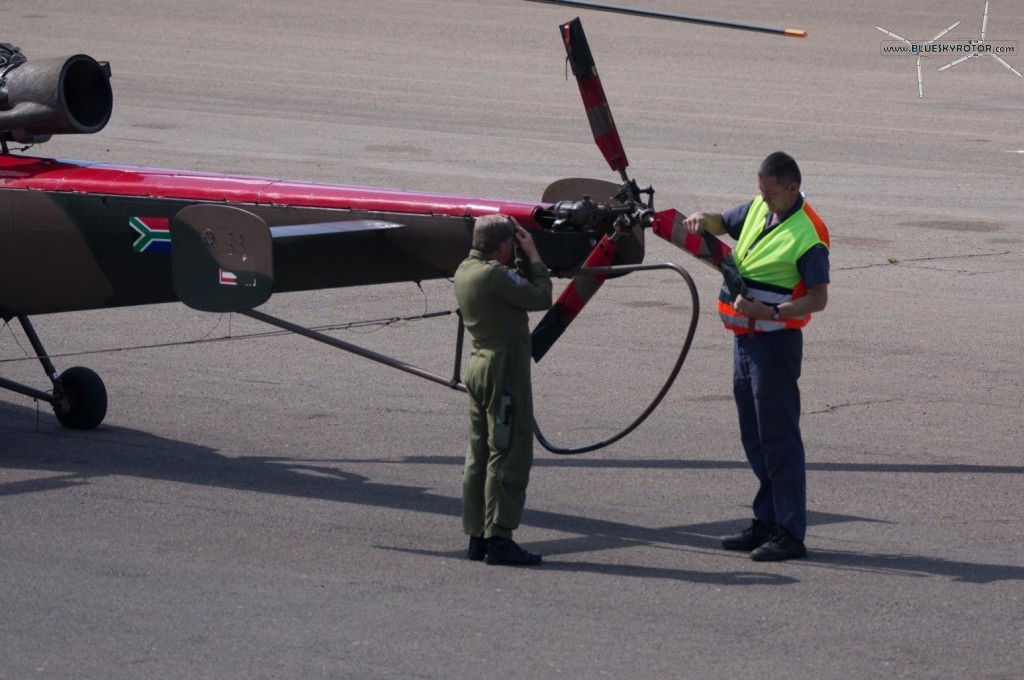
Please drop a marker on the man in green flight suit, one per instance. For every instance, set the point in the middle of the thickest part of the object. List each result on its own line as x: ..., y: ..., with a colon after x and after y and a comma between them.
x: 494, y: 299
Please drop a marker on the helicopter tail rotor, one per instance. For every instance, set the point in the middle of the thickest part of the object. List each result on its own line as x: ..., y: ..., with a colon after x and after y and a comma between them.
x: 627, y: 212
x: 624, y: 215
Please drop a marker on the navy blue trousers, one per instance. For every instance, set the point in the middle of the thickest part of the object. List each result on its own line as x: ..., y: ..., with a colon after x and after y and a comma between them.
x: 766, y: 368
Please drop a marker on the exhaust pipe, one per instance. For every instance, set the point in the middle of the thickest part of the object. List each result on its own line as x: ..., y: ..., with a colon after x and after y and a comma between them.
x: 62, y: 96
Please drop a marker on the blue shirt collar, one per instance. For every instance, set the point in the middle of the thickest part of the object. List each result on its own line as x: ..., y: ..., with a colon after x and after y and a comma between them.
x: 792, y: 211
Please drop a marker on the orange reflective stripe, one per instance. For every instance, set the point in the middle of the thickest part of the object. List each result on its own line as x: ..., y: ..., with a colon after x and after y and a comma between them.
x: 741, y: 324
x: 767, y: 262
x: 819, y: 225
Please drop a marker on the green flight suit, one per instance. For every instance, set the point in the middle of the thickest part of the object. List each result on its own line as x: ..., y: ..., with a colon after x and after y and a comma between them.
x: 494, y: 301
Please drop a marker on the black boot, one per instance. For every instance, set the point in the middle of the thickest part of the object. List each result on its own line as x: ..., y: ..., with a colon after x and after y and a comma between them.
x: 754, y: 536
x: 781, y: 546
x: 506, y: 551
x: 477, y: 548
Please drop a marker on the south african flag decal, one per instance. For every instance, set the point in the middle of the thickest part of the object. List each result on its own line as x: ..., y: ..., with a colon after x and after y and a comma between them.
x: 153, y: 234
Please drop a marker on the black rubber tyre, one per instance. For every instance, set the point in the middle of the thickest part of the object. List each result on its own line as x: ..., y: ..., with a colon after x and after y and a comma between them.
x: 87, y: 399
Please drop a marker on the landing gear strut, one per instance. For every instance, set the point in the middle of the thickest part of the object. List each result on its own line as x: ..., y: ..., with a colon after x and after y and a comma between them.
x: 79, y: 399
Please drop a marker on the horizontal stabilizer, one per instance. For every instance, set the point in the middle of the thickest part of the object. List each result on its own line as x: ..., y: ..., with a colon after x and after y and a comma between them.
x: 221, y: 258
x: 575, y: 188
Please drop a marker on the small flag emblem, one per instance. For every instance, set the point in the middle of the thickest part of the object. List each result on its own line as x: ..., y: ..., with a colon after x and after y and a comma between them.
x: 227, y: 278
x: 152, y: 234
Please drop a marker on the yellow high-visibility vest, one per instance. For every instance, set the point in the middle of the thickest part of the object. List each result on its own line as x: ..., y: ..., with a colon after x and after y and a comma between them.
x: 767, y: 263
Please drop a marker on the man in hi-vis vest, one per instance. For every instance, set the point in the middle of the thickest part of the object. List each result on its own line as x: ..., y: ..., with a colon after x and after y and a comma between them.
x: 781, y: 256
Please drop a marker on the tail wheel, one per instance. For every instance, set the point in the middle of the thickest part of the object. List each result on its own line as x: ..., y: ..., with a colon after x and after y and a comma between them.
x: 80, y: 401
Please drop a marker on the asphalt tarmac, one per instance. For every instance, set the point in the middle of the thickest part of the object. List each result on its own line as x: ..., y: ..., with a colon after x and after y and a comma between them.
x: 260, y: 506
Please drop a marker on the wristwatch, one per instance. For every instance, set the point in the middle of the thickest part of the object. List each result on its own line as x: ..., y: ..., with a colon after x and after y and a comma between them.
x: 776, y: 312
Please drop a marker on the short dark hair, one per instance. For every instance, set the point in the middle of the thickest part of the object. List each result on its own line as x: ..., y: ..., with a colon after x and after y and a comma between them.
x: 490, y: 231
x: 781, y: 166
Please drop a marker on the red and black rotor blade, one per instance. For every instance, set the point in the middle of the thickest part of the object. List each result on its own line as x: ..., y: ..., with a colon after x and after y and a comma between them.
x: 583, y: 286
x: 707, y: 248
x: 594, y: 100
x: 572, y: 300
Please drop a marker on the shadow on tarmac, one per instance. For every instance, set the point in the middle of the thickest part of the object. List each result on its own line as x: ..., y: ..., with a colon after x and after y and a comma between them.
x: 695, y: 464
x: 551, y: 563
x: 71, y: 458
x: 960, y: 572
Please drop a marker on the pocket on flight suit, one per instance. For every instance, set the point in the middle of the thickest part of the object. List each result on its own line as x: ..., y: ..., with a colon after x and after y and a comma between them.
x: 504, y: 422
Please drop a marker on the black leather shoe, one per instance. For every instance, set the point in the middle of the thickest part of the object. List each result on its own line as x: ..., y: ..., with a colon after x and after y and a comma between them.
x: 780, y: 546
x: 754, y: 536
x: 477, y: 548
x: 506, y: 551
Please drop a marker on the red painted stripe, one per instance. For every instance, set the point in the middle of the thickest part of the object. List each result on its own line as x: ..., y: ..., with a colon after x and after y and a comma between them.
x: 603, y: 125
x: 694, y: 244
x: 156, y: 223
x: 592, y: 92
x: 21, y: 172
x: 577, y: 294
x: 570, y: 303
